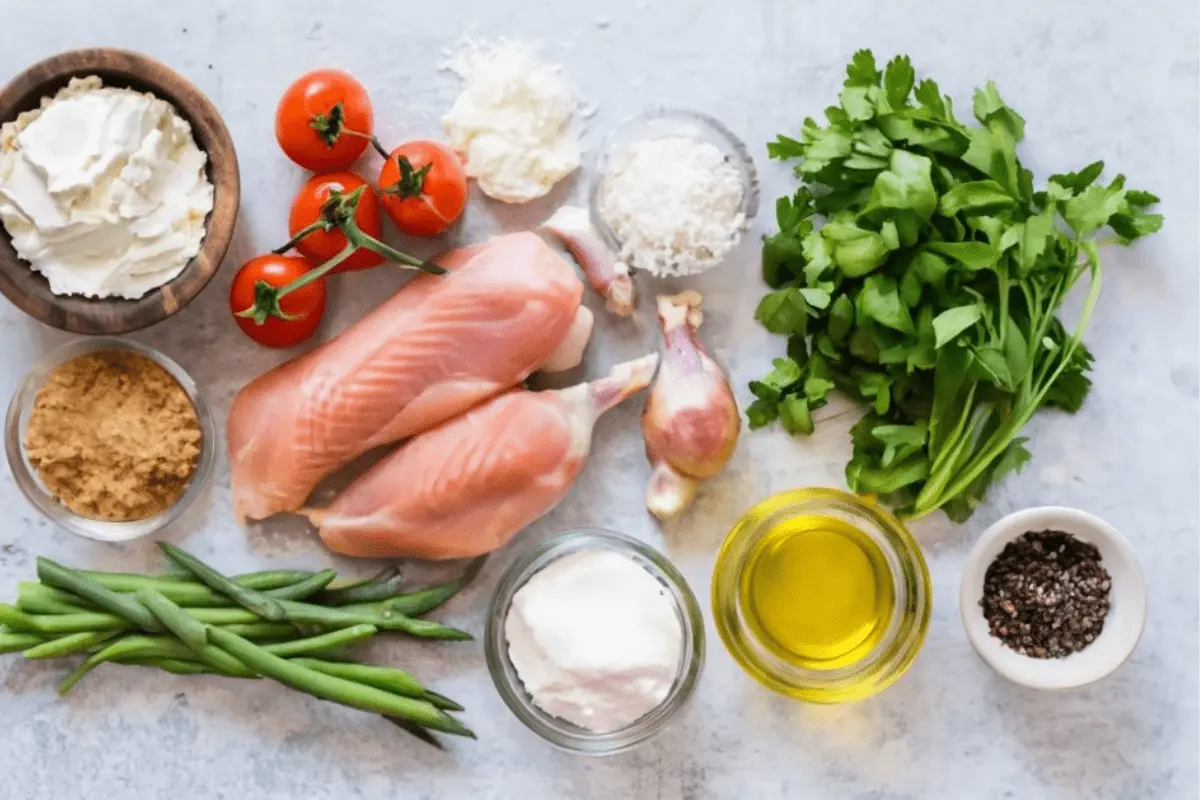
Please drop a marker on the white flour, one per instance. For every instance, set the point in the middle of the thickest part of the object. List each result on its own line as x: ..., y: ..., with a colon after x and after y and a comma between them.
x: 674, y: 203
x: 595, y: 639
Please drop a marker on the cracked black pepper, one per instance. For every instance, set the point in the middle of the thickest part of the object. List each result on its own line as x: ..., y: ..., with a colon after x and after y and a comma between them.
x: 1046, y: 594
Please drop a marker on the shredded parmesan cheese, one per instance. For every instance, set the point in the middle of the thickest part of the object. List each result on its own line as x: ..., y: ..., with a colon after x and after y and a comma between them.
x: 674, y: 203
x: 513, y: 122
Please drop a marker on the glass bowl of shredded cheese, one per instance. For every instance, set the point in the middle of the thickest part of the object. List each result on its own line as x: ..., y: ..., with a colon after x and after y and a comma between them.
x: 594, y: 641
x: 674, y: 193
x: 110, y: 439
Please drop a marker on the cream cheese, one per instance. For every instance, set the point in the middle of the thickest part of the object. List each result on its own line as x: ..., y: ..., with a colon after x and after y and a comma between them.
x: 103, y: 190
x: 595, y: 639
x: 513, y: 122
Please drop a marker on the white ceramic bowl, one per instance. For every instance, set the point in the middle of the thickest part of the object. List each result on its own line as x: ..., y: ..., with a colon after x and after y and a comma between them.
x: 1127, y: 601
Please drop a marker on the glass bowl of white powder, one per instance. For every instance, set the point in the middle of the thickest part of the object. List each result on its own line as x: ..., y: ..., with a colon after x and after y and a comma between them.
x: 594, y: 641
x: 675, y: 191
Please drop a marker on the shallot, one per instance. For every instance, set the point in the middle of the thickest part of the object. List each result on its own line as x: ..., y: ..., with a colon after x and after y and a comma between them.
x: 608, y: 276
x: 691, y: 421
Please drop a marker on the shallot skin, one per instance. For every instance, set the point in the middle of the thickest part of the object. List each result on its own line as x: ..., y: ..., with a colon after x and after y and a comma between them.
x: 609, y: 277
x: 691, y: 421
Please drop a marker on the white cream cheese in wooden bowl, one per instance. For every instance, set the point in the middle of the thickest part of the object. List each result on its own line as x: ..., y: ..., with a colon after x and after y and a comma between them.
x: 103, y: 190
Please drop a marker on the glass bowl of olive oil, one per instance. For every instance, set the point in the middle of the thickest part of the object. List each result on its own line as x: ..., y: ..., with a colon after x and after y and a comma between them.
x: 821, y: 595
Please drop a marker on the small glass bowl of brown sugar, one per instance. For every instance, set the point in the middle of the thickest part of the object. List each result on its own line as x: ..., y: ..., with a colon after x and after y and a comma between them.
x: 109, y: 439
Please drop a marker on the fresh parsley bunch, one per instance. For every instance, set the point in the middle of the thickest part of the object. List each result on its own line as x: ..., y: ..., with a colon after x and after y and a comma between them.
x: 917, y: 270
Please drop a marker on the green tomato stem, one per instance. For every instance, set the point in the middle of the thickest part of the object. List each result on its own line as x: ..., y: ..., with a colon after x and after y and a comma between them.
x: 337, y: 212
x: 320, y: 224
x: 370, y: 137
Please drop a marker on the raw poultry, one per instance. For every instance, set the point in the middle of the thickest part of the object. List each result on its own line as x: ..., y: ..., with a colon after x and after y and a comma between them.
x: 435, y: 349
x: 469, y: 485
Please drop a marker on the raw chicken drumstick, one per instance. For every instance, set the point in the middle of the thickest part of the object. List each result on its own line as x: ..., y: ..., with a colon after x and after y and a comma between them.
x: 608, y: 276
x: 442, y: 345
x: 691, y: 420
x: 468, y: 486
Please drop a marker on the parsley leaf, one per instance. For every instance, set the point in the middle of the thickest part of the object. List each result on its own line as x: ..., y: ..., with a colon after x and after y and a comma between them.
x: 783, y: 311
x: 861, y: 70
x: 953, y: 321
x: 918, y: 270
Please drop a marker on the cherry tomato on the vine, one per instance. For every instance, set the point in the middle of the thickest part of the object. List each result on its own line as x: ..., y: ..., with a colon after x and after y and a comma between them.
x: 320, y: 246
x: 305, y: 305
x: 338, y: 105
x: 423, y: 187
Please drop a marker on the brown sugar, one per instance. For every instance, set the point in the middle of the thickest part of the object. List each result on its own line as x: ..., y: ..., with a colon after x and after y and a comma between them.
x: 113, y: 436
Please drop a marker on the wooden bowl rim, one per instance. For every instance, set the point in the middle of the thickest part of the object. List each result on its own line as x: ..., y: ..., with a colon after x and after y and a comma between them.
x: 129, y: 69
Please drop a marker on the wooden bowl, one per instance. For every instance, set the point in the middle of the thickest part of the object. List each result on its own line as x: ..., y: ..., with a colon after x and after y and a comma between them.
x: 29, y: 290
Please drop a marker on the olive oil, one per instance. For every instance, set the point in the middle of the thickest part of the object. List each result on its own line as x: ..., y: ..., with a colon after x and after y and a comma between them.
x: 817, y: 592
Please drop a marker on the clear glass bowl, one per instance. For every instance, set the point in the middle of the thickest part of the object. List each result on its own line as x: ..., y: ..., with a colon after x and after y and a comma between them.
x: 905, y: 630
x: 559, y: 732
x: 26, y: 475
x: 662, y: 121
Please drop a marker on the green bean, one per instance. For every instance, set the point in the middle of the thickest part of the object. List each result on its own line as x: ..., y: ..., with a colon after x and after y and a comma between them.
x: 381, y: 587
x: 416, y: 730
x: 301, y: 613
x: 54, y: 625
x: 308, y: 614
x: 311, y: 644
x: 69, y: 645
x: 338, y: 690
x: 130, y: 582
x: 396, y: 681
x: 38, y: 598
x: 137, y: 646
x: 302, y: 590
x: 128, y: 649
x: 173, y: 665
x: 223, y: 616
x: 65, y: 578
x: 442, y: 702
x: 190, y: 593
x: 75, y: 676
x: 190, y: 632
x: 16, y: 641
x: 414, y: 604
x: 58, y: 624
x: 338, y: 654
x: 261, y: 604
x: 260, y: 630
x: 16, y: 620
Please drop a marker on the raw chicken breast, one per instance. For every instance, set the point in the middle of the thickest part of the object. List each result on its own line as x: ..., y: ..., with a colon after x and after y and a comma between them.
x: 441, y: 345
x: 467, y: 487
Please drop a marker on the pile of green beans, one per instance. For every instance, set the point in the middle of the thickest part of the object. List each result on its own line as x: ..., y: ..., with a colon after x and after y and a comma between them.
x: 293, y: 627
